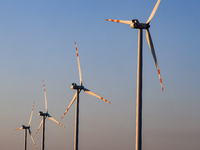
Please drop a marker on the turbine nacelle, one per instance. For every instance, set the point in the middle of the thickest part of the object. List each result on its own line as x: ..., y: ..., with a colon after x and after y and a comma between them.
x: 136, y: 24
x: 42, y: 114
x: 25, y: 127
x: 76, y: 87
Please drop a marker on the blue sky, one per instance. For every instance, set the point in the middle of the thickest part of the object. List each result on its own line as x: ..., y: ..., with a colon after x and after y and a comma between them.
x: 37, y: 42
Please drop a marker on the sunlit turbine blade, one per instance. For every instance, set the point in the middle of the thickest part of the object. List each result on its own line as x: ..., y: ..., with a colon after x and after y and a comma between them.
x: 56, y: 121
x: 45, y: 96
x: 79, y: 67
x: 32, y: 138
x: 149, y: 40
x: 93, y: 94
x: 38, y: 127
x: 31, y: 114
x: 129, y: 22
x: 18, y: 128
x: 73, y: 99
x: 154, y: 11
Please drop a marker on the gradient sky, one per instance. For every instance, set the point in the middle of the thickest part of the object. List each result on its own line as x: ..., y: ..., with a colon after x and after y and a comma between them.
x: 37, y: 42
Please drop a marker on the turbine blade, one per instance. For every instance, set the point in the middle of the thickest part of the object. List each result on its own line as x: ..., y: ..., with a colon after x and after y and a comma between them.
x: 149, y: 40
x: 31, y: 114
x: 56, y: 121
x: 32, y: 138
x: 154, y: 11
x: 38, y: 127
x: 45, y: 96
x: 79, y: 67
x: 129, y: 22
x: 73, y: 99
x: 93, y: 94
x: 18, y: 128
x: 29, y: 130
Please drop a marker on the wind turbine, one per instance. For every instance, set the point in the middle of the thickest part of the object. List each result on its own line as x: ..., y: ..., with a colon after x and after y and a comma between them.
x: 138, y: 25
x: 78, y: 89
x: 25, y: 130
x: 44, y: 116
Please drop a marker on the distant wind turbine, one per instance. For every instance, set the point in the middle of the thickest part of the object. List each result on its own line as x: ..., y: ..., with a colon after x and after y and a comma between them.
x: 138, y: 25
x: 78, y: 89
x: 25, y: 130
x: 44, y: 116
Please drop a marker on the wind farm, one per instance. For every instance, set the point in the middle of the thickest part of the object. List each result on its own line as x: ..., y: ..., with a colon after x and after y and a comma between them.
x: 37, y: 42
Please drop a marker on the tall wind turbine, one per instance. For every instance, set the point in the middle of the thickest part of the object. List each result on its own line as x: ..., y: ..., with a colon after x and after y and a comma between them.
x: 25, y: 130
x: 138, y: 25
x: 44, y: 116
x: 78, y: 89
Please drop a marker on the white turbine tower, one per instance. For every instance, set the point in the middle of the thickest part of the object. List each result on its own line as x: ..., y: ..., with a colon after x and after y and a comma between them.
x: 78, y: 89
x: 44, y: 116
x: 25, y: 130
x: 138, y: 25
